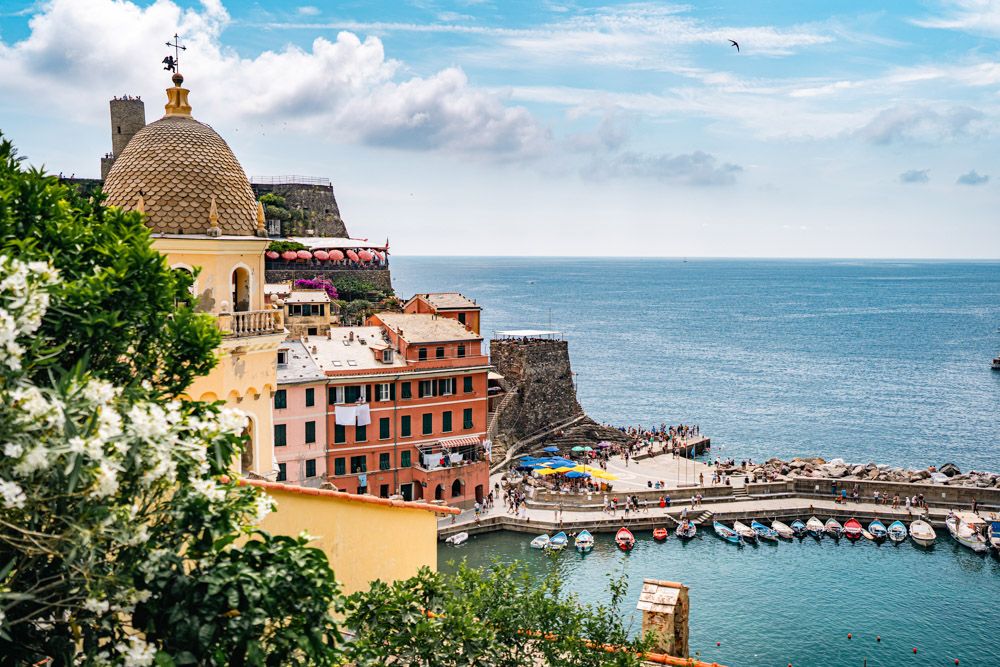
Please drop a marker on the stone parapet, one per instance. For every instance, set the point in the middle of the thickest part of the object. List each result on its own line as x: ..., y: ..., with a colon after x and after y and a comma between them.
x: 381, y: 278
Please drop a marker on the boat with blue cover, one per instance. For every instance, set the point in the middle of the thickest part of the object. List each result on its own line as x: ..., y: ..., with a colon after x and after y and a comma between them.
x: 584, y: 542
x: 726, y: 533
x: 897, y: 532
x: 763, y: 532
x: 558, y: 541
x: 877, y: 530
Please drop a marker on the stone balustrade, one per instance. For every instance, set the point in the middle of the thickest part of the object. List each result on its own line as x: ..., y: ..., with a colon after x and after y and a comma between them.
x: 251, y: 323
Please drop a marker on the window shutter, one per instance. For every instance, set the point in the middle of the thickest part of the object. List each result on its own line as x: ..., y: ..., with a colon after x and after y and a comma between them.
x: 440, y: 385
x: 392, y: 391
x: 370, y: 397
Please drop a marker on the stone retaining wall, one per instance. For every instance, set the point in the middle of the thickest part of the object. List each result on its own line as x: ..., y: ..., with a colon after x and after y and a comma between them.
x: 933, y: 493
x: 378, y: 277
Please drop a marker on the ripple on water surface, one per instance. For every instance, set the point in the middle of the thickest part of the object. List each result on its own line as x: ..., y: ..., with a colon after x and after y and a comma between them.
x: 795, y: 602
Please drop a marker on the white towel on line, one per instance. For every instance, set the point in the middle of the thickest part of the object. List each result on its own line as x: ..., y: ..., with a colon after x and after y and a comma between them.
x: 364, y: 415
x: 345, y: 415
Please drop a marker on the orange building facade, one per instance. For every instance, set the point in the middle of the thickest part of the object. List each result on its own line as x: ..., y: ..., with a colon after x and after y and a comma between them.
x: 452, y: 305
x: 406, y: 408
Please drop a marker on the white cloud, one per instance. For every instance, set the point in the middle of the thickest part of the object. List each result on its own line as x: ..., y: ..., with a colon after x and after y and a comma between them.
x: 903, y: 123
x: 345, y: 88
x: 981, y: 17
x: 308, y: 10
x: 697, y: 168
x: 915, y: 176
x: 973, y: 178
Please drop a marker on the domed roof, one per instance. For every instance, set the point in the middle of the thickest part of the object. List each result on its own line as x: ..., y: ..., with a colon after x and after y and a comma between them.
x: 178, y: 165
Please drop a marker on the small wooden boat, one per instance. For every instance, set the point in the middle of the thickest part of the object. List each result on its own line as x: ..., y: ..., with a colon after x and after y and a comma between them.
x: 798, y: 528
x: 558, y: 541
x: 584, y: 542
x: 853, y: 529
x: 922, y: 533
x: 726, y: 533
x: 457, y: 538
x: 815, y: 527
x: 897, y: 532
x: 745, y: 532
x: 625, y: 539
x: 763, y: 532
x: 540, y: 542
x: 660, y: 534
x: 964, y: 527
x: 877, y: 531
x: 833, y: 528
x: 686, y: 530
x: 783, y: 530
x: 995, y: 536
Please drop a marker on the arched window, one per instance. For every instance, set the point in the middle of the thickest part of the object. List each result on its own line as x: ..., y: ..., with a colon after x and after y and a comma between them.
x: 241, y: 289
x: 456, y: 489
x: 246, y: 456
x: 439, y: 492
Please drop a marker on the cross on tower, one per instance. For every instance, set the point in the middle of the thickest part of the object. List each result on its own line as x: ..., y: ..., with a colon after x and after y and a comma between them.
x: 173, y: 63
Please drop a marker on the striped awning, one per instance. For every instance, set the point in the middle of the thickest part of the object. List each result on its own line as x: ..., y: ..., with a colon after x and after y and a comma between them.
x: 460, y: 441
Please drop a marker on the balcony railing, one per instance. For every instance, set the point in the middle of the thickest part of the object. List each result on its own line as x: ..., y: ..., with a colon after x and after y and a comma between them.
x: 251, y: 323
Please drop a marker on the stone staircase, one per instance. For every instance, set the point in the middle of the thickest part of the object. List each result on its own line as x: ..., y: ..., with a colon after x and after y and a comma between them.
x: 703, y: 519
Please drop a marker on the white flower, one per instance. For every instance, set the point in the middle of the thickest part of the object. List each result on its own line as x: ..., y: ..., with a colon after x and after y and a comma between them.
x: 137, y: 653
x: 107, y: 481
x: 209, y: 489
x: 13, y: 495
x: 34, y: 409
x: 148, y: 421
x: 232, y: 421
x: 77, y: 445
x: 96, y: 606
x: 12, y: 450
x: 263, y: 506
x: 37, y: 458
x: 100, y: 391
x: 109, y: 424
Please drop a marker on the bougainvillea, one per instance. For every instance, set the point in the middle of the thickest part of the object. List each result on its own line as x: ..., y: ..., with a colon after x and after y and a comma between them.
x: 318, y: 283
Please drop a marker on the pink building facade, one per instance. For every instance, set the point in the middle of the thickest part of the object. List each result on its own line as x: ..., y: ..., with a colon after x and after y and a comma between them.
x: 300, y: 417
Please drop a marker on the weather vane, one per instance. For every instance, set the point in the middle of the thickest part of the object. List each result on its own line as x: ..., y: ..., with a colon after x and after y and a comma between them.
x: 173, y: 63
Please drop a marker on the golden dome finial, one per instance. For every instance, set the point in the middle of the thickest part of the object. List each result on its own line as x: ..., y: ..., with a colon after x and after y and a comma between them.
x: 177, y: 98
x: 213, y: 219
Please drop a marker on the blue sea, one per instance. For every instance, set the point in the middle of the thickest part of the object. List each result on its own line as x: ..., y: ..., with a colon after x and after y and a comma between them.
x: 884, y: 361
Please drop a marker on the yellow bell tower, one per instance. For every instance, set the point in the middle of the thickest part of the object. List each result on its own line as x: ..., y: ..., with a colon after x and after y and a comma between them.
x: 197, y: 200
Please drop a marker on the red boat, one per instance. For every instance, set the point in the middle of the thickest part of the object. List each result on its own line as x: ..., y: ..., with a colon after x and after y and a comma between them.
x: 660, y: 534
x: 625, y: 539
x: 852, y: 529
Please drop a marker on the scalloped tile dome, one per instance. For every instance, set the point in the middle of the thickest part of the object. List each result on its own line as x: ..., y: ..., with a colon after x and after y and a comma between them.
x: 177, y: 164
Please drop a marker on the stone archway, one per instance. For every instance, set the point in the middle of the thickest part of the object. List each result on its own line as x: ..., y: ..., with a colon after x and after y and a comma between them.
x: 439, y: 492
x: 456, y: 489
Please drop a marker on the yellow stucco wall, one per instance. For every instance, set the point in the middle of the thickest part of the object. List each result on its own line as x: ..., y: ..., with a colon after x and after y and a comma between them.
x: 218, y: 258
x: 363, y: 541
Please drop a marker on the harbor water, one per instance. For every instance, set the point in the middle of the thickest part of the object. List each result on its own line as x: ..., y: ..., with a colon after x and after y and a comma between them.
x: 882, y: 361
x: 794, y: 602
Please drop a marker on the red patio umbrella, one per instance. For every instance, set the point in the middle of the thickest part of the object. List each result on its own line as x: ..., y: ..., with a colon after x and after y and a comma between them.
x: 353, y: 256
x: 321, y: 255
x: 336, y: 255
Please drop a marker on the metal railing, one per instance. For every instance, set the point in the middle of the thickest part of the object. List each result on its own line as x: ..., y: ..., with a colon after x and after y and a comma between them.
x: 251, y: 323
x: 290, y: 180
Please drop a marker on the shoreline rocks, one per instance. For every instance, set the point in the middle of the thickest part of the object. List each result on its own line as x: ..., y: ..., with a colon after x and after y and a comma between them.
x: 775, y: 469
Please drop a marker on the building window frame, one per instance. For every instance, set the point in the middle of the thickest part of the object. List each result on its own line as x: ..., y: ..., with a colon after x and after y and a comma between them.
x: 310, y: 432
x: 339, y: 466
x: 467, y: 419
x: 446, y: 421
x: 280, y: 435
x: 280, y: 399
x: 310, y: 468
x: 467, y: 385
x: 310, y: 397
x: 405, y: 426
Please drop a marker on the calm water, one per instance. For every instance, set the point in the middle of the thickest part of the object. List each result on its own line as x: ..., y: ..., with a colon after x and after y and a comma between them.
x: 864, y: 360
x: 884, y: 361
x: 795, y: 602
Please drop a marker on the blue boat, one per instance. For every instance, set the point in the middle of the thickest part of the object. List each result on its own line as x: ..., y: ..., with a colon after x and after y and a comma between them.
x: 584, y: 542
x: 726, y: 533
x: 763, y: 532
x: 877, y: 530
x: 558, y: 541
x: 897, y: 532
x: 995, y: 536
x: 798, y: 528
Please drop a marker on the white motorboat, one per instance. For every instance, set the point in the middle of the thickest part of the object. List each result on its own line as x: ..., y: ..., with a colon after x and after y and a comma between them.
x: 558, y: 541
x: 584, y: 542
x: 457, y: 538
x: 965, y: 528
x: 744, y: 531
x: 540, y: 542
x: 833, y: 528
x: 922, y: 533
x: 815, y: 527
x: 783, y: 530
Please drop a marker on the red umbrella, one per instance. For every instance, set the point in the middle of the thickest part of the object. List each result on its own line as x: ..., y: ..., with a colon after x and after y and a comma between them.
x: 336, y: 255
x: 289, y: 255
x: 270, y: 254
x: 353, y: 256
x: 365, y: 256
x: 304, y: 254
x: 321, y: 255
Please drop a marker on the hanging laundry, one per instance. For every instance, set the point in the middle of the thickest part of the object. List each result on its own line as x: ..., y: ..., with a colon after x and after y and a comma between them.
x: 364, y: 415
x: 346, y: 415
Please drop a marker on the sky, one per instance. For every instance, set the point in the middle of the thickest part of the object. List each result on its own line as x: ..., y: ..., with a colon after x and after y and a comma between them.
x: 548, y: 127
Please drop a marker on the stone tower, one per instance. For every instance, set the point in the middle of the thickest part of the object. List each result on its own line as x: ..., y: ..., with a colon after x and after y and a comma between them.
x: 128, y: 116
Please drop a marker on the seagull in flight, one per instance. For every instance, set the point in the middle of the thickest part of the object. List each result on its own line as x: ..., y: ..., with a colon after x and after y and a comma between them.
x: 733, y: 42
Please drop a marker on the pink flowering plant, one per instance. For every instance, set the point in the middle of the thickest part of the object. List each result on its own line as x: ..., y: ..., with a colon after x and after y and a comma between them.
x: 318, y: 283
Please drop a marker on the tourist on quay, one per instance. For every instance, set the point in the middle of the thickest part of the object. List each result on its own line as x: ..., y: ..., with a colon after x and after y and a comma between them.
x: 908, y: 503
x: 875, y: 496
x: 667, y: 498
x: 895, y: 502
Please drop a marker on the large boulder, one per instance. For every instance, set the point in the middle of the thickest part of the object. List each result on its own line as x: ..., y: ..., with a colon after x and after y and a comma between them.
x: 918, y: 475
x: 873, y: 474
x: 857, y: 470
x: 949, y: 469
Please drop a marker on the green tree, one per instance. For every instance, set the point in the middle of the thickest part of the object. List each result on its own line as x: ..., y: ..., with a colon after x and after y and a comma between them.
x: 118, y: 309
x: 123, y: 539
